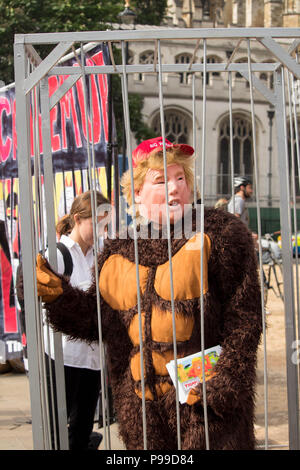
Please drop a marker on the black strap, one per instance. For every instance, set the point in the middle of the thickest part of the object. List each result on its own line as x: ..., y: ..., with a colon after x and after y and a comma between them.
x: 67, y: 259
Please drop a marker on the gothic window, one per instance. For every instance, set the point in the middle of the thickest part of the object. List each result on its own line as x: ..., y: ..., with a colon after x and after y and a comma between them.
x: 238, y: 75
x: 242, y: 152
x: 146, y: 57
x: 184, y: 58
x: 178, y: 126
x: 130, y: 59
x: 268, y: 77
x: 211, y: 60
x: 241, y: 61
x: 264, y: 76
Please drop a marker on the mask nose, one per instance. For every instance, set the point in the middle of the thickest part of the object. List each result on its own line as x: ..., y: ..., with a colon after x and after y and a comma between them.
x: 172, y: 187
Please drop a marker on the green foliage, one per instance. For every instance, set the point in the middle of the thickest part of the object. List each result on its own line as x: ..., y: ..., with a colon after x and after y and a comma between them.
x: 141, y: 131
x: 45, y: 16
x: 149, y: 11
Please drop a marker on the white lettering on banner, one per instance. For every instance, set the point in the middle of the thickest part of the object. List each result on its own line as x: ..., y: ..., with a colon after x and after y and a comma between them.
x: 14, y: 346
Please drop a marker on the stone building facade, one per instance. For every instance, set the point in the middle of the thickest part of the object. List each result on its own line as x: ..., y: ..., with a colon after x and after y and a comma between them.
x: 177, y: 90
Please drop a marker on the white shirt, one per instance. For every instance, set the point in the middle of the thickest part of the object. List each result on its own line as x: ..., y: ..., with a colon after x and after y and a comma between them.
x: 239, y: 208
x: 77, y: 353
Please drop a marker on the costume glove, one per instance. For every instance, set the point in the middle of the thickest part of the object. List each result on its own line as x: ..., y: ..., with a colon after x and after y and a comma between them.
x: 49, y: 285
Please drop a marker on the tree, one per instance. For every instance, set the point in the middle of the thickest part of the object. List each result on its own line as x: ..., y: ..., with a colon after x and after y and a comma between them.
x: 45, y: 16
x: 149, y: 11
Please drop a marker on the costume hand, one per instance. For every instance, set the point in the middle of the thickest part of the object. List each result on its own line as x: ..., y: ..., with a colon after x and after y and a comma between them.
x: 49, y: 286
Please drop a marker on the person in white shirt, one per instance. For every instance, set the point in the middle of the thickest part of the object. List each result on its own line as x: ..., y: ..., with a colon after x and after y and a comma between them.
x: 81, y: 360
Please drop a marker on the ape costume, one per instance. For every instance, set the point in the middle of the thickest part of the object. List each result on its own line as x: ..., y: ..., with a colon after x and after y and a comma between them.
x: 232, y: 319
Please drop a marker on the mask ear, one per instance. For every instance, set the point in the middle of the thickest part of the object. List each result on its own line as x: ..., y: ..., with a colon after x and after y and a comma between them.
x: 137, y: 197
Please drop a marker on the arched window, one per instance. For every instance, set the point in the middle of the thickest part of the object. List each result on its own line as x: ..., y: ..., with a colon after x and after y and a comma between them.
x: 178, y: 126
x: 184, y: 58
x: 130, y: 59
x: 242, y: 152
x: 243, y: 60
x: 211, y: 60
x: 146, y: 57
x: 268, y: 77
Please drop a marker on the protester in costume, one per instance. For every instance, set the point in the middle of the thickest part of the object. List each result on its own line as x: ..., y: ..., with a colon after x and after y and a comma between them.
x: 231, y: 300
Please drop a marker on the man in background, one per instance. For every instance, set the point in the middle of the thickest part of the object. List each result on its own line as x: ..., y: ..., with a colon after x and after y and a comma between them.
x: 243, y: 191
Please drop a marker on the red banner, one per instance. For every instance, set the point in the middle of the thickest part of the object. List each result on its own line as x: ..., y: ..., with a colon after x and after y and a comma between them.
x: 69, y: 140
x: 69, y: 137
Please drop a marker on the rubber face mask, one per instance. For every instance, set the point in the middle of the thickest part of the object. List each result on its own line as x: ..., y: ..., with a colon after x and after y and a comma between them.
x: 151, y: 197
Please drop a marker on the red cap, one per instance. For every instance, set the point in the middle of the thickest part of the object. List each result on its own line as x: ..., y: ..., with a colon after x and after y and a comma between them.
x: 143, y: 151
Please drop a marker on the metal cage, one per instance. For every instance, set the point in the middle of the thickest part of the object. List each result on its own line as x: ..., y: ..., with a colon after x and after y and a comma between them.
x: 31, y: 78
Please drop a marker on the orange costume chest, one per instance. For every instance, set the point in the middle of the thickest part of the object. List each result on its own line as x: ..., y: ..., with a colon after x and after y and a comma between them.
x: 118, y: 287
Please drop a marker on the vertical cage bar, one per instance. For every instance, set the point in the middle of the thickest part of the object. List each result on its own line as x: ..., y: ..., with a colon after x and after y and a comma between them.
x: 27, y: 243
x: 104, y: 389
x: 231, y: 141
x: 136, y: 255
x: 203, y: 158
x: 91, y: 166
x: 296, y: 127
x: 163, y: 133
x: 257, y: 195
x: 297, y: 248
x: 293, y: 182
x: 39, y: 318
x: 51, y: 239
x: 285, y: 219
x: 194, y: 134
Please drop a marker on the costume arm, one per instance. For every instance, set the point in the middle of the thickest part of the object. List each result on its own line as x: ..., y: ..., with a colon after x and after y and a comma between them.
x: 74, y: 313
x: 234, y: 270
x: 70, y: 310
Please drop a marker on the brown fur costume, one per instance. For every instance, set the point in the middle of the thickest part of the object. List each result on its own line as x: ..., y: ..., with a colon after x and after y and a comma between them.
x: 232, y: 318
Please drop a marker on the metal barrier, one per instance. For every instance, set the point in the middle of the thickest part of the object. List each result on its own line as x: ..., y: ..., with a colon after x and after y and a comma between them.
x: 32, y: 96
